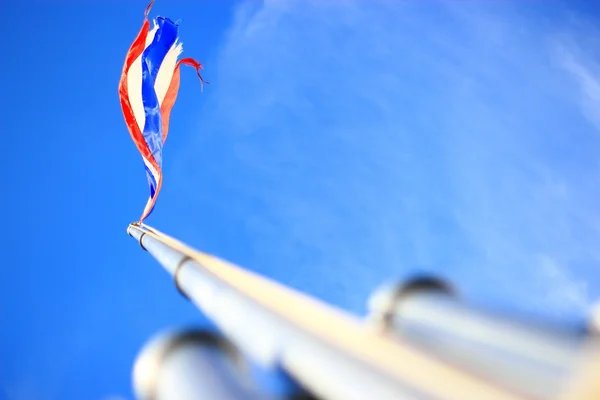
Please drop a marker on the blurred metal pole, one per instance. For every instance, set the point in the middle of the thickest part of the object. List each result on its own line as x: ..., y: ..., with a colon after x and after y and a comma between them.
x: 327, y: 351
x: 534, y: 360
x: 190, y: 365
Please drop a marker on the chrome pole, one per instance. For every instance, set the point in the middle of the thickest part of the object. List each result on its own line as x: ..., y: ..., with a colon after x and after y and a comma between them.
x: 531, y: 359
x: 325, y: 350
x: 190, y: 365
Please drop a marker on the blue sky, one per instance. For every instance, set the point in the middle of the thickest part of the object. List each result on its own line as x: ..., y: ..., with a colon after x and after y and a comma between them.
x: 339, y: 145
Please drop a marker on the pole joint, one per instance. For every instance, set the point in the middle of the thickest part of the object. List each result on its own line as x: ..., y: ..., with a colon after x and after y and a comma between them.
x: 185, y: 259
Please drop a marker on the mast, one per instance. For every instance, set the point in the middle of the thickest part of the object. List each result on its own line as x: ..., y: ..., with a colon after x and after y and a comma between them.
x: 416, y: 345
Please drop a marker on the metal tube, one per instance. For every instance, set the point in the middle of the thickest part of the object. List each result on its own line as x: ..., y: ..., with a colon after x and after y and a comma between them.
x: 189, y: 365
x: 329, y: 352
x: 526, y: 358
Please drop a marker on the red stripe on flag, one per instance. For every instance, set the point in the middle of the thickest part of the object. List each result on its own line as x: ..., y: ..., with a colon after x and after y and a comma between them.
x: 171, y: 95
x: 134, y: 52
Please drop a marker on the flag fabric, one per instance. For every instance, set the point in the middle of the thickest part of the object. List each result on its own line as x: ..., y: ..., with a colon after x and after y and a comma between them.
x: 148, y: 89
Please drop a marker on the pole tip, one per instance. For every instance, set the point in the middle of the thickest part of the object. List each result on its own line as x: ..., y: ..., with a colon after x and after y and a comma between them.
x: 137, y: 223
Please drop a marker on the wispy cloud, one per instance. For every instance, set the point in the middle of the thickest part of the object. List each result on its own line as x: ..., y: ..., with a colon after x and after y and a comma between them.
x: 586, y: 71
x: 357, y: 142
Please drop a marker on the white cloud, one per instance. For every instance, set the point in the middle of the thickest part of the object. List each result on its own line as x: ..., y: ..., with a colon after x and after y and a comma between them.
x: 357, y: 142
x: 570, y: 291
x: 587, y: 74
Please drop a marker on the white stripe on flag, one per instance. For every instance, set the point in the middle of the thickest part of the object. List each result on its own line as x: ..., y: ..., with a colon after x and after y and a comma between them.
x: 134, y: 84
x: 165, y: 73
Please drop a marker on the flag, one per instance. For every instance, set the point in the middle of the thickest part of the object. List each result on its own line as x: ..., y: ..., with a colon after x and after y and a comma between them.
x: 148, y: 89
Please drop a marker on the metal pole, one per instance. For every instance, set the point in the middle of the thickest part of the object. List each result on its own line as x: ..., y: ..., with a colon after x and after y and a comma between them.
x: 329, y: 352
x: 190, y: 365
x: 534, y: 360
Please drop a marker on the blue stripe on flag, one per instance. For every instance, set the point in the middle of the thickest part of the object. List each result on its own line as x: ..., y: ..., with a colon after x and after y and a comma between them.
x: 152, y: 183
x: 152, y: 58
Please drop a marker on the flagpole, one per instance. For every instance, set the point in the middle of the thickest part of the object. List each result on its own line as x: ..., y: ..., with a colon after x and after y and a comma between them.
x: 192, y: 364
x: 530, y: 357
x: 326, y: 350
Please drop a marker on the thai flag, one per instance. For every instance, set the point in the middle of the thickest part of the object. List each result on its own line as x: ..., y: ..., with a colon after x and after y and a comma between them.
x: 148, y: 89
